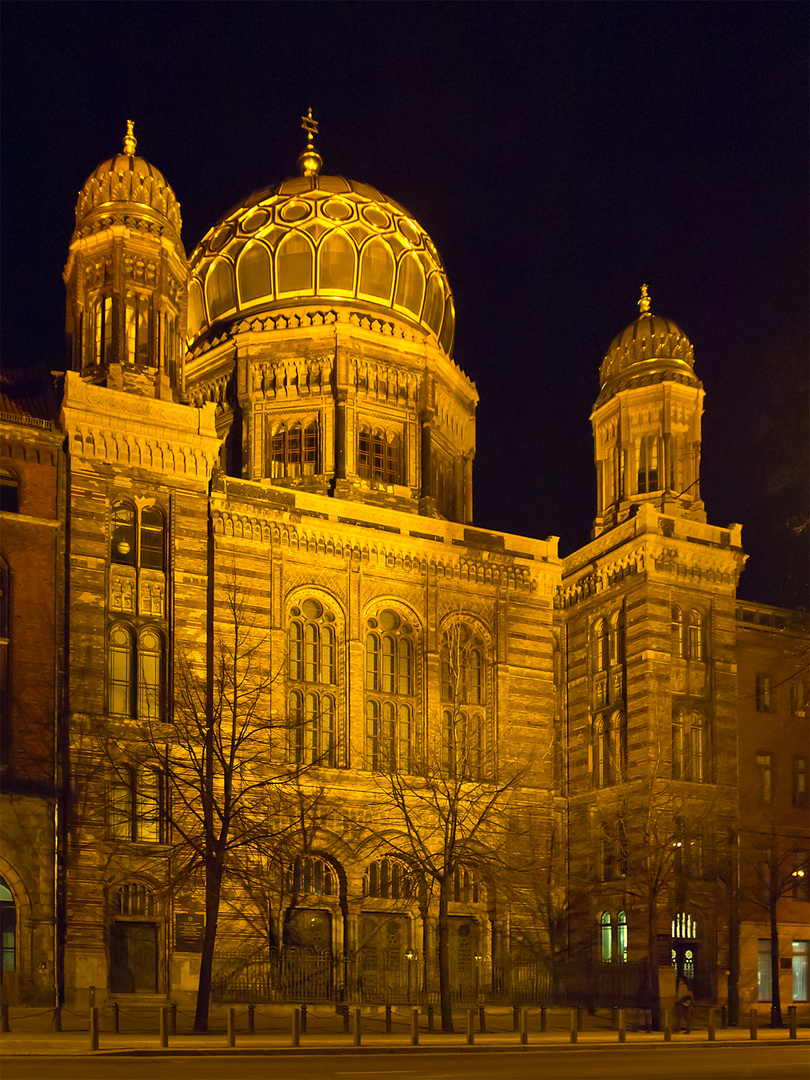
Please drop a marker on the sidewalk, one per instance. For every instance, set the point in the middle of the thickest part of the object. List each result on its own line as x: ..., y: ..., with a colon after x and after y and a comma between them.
x: 31, y: 1034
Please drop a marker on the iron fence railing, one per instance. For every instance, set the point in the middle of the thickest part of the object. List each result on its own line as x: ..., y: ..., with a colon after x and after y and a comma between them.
x: 369, y: 976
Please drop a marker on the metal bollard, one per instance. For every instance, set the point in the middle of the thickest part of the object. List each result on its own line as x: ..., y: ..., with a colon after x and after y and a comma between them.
x: 524, y: 1027
x: 94, y: 1028
x: 414, y: 1027
x: 622, y: 1022
x: 724, y: 1017
x: 614, y: 1019
x: 667, y: 1025
x: 172, y: 1018
x: 56, y: 1022
x: 231, y: 1027
x: 792, y: 1020
x: 712, y: 1024
x: 164, y: 1026
x: 482, y: 1019
x: 251, y: 1019
x: 387, y: 1019
x: 574, y: 1025
x: 92, y: 996
x: 515, y: 1018
x: 116, y: 1011
x: 356, y: 1027
x: 296, y: 1027
x: 542, y: 1018
x: 303, y: 1019
x: 430, y: 1017
x: 579, y: 1018
x: 345, y: 1019
x: 470, y: 1027
x: 752, y: 1019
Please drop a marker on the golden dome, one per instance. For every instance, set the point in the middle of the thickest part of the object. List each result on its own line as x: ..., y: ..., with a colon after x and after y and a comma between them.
x: 115, y: 185
x: 326, y: 240
x: 651, y: 349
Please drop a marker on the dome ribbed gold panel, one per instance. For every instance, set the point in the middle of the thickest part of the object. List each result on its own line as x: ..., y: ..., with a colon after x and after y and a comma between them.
x: 325, y: 238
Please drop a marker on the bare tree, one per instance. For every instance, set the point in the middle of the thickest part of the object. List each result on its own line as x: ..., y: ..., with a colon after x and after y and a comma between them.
x: 774, y: 866
x: 448, y: 800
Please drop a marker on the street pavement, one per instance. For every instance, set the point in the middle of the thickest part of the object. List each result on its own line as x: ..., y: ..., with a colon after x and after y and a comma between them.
x: 31, y: 1034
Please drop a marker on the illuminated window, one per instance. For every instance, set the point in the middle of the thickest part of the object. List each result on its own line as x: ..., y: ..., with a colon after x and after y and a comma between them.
x: 764, y: 693
x: 602, y: 753
x: 448, y: 326
x: 376, y: 269
x: 253, y: 273
x: 764, y: 975
x: 434, y: 303
x: 136, y: 805
x: 619, y: 471
x: 621, y: 928
x: 196, y: 312
x: 378, y: 456
x: 606, y: 930
x: 219, y: 291
x: 695, y: 636
x: 136, y: 328
x: 648, y: 464
x: 410, y: 284
x: 293, y: 449
x: 294, y: 265
x: 800, y: 955
x: 102, y: 328
x: 336, y: 264
x: 798, y: 699
x: 135, y: 682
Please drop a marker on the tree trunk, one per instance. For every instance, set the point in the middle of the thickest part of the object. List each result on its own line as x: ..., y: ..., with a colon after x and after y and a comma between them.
x: 213, y: 885
x: 444, y: 958
x: 652, y: 967
x: 776, y: 994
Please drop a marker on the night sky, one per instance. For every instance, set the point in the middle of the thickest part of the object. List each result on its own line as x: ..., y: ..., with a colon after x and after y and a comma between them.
x: 559, y: 155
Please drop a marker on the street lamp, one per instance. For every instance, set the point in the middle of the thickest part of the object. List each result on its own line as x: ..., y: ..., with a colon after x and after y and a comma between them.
x: 410, y: 956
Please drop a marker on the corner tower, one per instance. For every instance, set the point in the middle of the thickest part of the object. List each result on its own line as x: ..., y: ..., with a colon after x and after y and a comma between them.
x: 321, y: 324
x: 646, y: 423
x: 126, y: 279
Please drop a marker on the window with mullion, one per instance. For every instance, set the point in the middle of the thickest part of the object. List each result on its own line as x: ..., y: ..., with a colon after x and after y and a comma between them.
x: 390, y: 679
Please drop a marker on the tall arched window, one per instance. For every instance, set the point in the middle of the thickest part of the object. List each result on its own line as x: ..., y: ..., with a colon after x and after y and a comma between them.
x: 102, y: 328
x: 649, y: 473
x: 219, y: 291
x: 390, y: 687
x: 136, y: 804
x: 136, y: 328
x: 697, y: 738
x: 602, y: 752
x: 388, y: 879
x: 465, y: 888
x: 312, y: 876
x: 696, y: 636
x: 150, y: 674
x: 410, y: 284
x: 120, y: 680
x: 336, y: 264
x: 621, y: 943
x: 606, y: 932
x: 463, y: 688
x: 135, y: 673
x: 253, y: 274
x: 376, y: 269
x: 678, y: 633
x: 137, y: 538
x: 601, y: 635
x: 312, y: 664
x: 294, y: 265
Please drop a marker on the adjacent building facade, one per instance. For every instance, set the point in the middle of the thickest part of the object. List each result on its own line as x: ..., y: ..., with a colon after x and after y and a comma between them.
x: 266, y: 586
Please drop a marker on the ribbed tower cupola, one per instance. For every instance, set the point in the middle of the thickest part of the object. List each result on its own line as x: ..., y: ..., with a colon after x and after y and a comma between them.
x: 647, y: 423
x: 127, y: 279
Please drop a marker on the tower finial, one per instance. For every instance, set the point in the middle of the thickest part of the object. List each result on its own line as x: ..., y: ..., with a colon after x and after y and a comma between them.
x: 644, y: 302
x: 130, y: 142
x: 310, y: 160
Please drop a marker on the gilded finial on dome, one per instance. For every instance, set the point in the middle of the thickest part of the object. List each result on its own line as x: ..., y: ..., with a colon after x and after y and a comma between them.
x: 310, y: 160
x: 130, y: 142
x: 644, y: 301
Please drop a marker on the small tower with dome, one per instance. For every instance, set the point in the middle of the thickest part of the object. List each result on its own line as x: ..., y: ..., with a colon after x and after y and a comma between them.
x: 126, y: 279
x: 647, y: 422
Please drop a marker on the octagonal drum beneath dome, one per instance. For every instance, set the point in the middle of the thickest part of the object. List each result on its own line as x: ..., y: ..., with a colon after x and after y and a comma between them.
x: 320, y: 238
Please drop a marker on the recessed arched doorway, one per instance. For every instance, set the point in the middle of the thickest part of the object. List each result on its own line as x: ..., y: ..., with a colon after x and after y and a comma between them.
x: 8, y: 944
